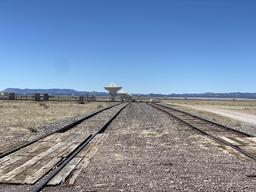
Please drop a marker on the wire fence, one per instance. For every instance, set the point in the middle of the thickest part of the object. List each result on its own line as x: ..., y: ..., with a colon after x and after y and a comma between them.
x: 47, y: 97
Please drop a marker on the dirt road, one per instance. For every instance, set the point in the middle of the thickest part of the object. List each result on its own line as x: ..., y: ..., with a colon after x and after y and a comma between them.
x: 244, y: 117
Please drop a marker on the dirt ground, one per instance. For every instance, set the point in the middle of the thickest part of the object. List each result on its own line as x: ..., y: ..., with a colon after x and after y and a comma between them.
x: 22, y: 120
x: 227, y: 112
x: 237, y: 114
x: 244, y: 106
x: 147, y: 150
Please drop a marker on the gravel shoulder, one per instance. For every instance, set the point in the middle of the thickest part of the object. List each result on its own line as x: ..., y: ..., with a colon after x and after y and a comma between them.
x: 241, y: 116
x: 87, y: 127
x: 236, y: 124
x: 149, y: 151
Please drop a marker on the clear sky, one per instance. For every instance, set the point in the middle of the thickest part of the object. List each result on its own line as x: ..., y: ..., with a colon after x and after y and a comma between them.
x: 147, y: 46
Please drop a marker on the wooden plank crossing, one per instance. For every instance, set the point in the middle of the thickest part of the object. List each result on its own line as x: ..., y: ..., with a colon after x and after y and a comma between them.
x: 35, y: 176
x: 87, y: 154
x: 75, y: 166
x: 17, y: 170
x: 246, y: 143
x: 31, y: 163
x: 64, y: 173
x: 230, y: 140
x: 5, y: 148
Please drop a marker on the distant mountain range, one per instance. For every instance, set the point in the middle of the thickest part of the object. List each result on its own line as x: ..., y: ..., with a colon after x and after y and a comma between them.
x: 69, y: 92
x: 209, y: 95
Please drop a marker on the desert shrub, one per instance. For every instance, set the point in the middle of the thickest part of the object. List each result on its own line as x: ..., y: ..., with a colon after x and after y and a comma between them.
x: 238, y: 124
x: 44, y: 105
x: 32, y: 129
x: 99, y: 106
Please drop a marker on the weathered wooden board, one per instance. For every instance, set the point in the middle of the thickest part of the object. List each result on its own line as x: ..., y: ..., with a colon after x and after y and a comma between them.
x: 87, y: 154
x: 64, y: 173
x: 243, y: 140
x: 50, y: 137
x: 31, y: 163
x: 69, y: 148
x: 35, y: 149
x: 249, y: 149
x: 59, y: 150
x: 77, y: 170
x: 35, y: 176
x: 8, y: 161
x: 17, y: 170
x: 86, y: 150
x: 245, y: 143
x: 230, y: 140
x: 19, y: 178
x: 249, y: 140
x: 6, y: 148
x: 252, y: 139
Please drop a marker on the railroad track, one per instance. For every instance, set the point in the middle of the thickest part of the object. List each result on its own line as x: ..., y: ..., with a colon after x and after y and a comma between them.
x: 60, y: 155
x: 226, y: 136
x: 61, y: 130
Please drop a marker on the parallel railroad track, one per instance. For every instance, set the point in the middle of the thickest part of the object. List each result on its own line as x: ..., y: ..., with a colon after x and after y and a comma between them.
x: 226, y: 136
x: 60, y: 130
x: 50, y: 159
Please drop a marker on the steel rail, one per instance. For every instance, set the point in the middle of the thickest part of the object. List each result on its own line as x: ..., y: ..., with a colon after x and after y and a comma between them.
x: 61, y: 130
x: 73, y: 153
x: 206, y: 120
x: 214, y: 138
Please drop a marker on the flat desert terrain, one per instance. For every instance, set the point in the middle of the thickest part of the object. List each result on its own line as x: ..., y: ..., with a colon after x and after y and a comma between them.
x: 234, y: 113
x: 142, y: 149
x: 23, y: 120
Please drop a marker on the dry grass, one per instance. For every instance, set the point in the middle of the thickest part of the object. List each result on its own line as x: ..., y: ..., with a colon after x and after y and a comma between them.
x: 30, y: 115
x: 239, y: 106
x: 215, y: 117
x: 246, y: 103
x: 246, y: 106
x: 20, y: 120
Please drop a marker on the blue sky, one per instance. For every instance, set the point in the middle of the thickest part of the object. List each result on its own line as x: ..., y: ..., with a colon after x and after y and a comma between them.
x: 147, y: 46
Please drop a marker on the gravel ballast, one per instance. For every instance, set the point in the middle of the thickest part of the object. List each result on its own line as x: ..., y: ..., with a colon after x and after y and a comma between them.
x: 89, y: 126
x: 236, y: 124
x: 11, y: 139
x: 150, y: 151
